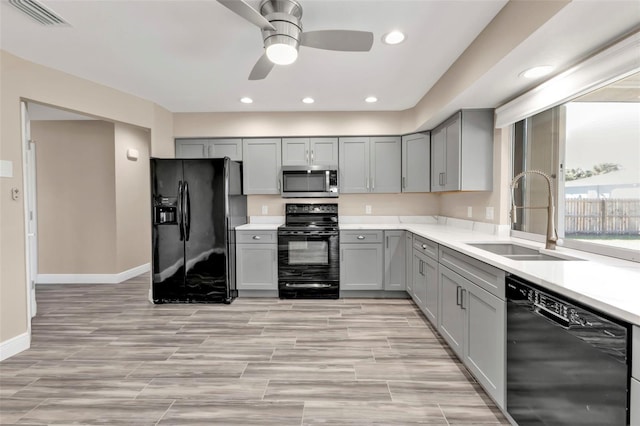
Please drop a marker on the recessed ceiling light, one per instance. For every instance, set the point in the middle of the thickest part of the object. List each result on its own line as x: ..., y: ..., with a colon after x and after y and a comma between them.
x: 246, y: 100
x: 371, y: 99
x: 308, y: 100
x: 536, y: 72
x: 394, y: 37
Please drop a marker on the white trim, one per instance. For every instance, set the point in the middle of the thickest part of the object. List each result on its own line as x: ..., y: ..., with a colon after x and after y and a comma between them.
x: 25, y: 127
x: 615, y: 62
x: 93, y: 278
x: 15, y: 345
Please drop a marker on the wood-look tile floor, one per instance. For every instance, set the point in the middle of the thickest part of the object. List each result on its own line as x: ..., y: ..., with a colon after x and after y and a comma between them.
x: 102, y: 354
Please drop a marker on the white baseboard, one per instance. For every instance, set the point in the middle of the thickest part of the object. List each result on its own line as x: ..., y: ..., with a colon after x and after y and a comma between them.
x: 14, y: 346
x: 93, y: 278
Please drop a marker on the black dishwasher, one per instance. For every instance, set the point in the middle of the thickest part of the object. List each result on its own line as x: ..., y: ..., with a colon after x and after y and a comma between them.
x: 566, y: 364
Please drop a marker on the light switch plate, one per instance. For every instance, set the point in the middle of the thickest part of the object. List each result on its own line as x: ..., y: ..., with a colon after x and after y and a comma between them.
x: 489, y: 213
x: 367, y: 209
x: 265, y: 209
x: 469, y: 211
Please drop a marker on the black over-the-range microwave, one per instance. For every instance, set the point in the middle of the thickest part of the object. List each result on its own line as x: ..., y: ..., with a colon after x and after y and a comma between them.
x: 309, y: 181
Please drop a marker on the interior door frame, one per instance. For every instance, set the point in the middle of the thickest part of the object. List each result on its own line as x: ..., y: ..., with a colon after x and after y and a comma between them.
x: 30, y: 211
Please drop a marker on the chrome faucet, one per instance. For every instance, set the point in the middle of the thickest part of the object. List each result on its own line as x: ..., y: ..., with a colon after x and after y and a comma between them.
x: 552, y: 236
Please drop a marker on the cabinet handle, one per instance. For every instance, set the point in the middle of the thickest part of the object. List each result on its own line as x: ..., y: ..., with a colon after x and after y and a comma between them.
x: 306, y: 153
x: 361, y: 237
x: 387, y: 241
x: 441, y: 179
x: 373, y: 184
x: 458, y: 288
x: 367, y: 183
x: 462, y: 293
x: 256, y: 237
x: 312, y: 157
x: 278, y: 184
x: 424, y: 246
x: 404, y: 182
x: 341, y: 255
x: 444, y: 178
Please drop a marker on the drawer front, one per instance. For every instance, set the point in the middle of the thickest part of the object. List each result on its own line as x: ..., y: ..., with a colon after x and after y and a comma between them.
x: 363, y: 236
x: 635, y: 363
x: 258, y: 237
x: 481, y: 274
x: 426, y: 246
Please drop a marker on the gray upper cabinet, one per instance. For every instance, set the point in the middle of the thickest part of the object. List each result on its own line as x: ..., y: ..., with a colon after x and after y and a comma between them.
x: 192, y: 148
x: 309, y: 151
x: 370, y: 164
x: 220, y: 148
x: 262, y: 164
x: 416, y: 163
x: 462, y: 152
x: 209, y: 148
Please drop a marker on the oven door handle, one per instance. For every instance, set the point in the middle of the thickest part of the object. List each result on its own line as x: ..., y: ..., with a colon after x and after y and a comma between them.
x: 307, y: 285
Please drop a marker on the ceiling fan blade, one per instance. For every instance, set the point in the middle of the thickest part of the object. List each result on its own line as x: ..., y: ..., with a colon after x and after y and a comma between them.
x: 341, y: 40
x: 241, y: 8
x: 261, y: 69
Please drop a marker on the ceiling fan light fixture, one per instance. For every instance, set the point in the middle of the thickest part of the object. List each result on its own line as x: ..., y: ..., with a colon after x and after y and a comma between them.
x: 371, y: 99
x: 281, y: 49
x: 393, y: 37
x: 308, y: 100
x: 246, y: 100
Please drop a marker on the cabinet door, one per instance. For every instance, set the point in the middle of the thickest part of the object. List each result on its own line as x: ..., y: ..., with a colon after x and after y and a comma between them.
x: 416, y: 163
x: 394, y: 261
x: 408, y: 250
x: 323, y: 151
x: 431, y: 299
x: 354, y: 165
x: 452, y: 172
x: 419, y: 279
x: 484, y: 348
x: 192, y: 148
x: 295, y: 152
x: 438, y: 159
x: 385, y: 164
x: 262, y: 163
x: 452, y: 322
x: 221, y: 148
x: 361, y: 267
x: 256, y: 266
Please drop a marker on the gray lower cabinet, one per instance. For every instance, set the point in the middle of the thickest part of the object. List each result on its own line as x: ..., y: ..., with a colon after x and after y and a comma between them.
x: 394, y: 261
x: 416, y: 163
x: 256, y: 260
x: 472, y: 321
x: 261, y: 165
x: 419, y: 286
x: 370, y: 164
x: 635, y: 377
x: 635, y: 402
x: 361, y: 260
x: 408, y: 249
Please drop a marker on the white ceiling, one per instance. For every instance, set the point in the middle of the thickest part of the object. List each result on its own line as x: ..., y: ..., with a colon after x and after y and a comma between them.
x: 195, y: 56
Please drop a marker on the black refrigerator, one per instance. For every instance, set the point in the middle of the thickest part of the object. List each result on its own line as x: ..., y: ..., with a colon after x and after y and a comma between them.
x: 196, y: 206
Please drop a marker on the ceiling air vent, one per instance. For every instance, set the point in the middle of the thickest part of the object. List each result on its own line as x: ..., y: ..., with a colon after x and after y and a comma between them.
x: 39, y: 12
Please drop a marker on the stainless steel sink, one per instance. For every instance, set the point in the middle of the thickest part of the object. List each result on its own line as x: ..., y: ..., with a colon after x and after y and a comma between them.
x: 517, y: 252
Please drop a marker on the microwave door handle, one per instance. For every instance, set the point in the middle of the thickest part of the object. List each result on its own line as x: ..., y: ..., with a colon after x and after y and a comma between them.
x: 327, y: 175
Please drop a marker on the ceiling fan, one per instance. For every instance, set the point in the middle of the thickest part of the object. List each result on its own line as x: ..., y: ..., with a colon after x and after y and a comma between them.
x: 281, y: 25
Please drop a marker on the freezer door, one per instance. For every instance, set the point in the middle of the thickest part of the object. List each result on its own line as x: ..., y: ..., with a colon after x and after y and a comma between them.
x: 205, y: 231
x: 167, y: 238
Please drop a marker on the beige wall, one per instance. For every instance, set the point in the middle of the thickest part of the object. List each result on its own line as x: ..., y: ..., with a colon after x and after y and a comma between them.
x: 75, y: 193
x: 20, y: 79
x: 132, y: 198
x: 418, y: 204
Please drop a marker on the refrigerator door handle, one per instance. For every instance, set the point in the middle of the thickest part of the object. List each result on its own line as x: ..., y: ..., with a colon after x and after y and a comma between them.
x: 187, y: 211
x: 180, y: 216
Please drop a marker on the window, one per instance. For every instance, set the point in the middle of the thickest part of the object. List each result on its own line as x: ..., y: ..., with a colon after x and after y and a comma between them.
x: 590, y: 147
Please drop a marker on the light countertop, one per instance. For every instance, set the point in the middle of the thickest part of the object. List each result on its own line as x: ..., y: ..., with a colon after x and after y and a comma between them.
x: 607, y: 284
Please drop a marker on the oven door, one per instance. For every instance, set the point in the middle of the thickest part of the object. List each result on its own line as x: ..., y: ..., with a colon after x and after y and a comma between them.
x: 308, y: 256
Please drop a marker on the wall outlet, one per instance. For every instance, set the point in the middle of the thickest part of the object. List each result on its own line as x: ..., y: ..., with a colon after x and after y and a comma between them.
x: 489, y: 213
x: 265, y: 209
x: 469, y: 211
x: 367, y: 209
